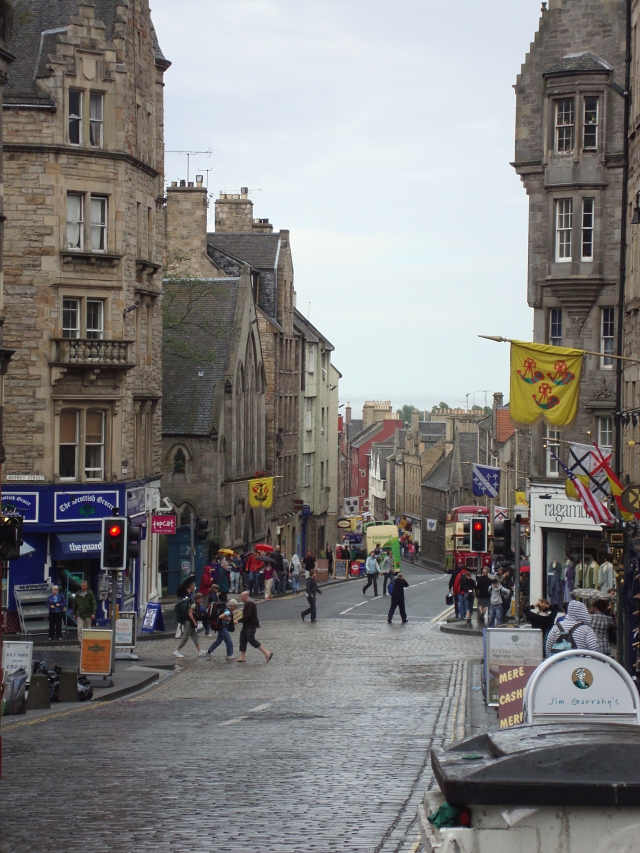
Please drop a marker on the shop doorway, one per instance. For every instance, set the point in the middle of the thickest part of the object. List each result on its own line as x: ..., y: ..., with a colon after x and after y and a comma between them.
x: 582, y: 548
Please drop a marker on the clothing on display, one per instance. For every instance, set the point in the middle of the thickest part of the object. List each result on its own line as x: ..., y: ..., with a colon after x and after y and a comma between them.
x: 555, y: 586
x: 569, y: 579
x: 606, y: 577
x: 591, y: 575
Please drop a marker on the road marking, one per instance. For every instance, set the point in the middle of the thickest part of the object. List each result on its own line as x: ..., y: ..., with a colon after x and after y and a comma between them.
x: 261, y: 707
x: 442, y: 616
x: 231, y: 722
x: 347, y: 610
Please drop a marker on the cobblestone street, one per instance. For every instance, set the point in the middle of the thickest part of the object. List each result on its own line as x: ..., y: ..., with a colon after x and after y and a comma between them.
x: 324, y: 749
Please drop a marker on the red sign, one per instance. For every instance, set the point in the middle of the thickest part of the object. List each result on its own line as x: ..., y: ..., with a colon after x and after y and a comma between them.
x: 163, y: 524
x: 511, y: 683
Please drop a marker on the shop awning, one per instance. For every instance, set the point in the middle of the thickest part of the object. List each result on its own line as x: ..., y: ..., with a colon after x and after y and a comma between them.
x: 75, y: 546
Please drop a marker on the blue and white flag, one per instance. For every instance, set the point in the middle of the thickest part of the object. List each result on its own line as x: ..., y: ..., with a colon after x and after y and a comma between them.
x: 486, y: 481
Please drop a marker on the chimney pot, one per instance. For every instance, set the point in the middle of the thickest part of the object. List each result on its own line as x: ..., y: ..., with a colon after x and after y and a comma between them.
x: 199, y: 179
x: 174, y: 183
x: 183, y: 183
x: 244, y: 190
x: 190, y: 183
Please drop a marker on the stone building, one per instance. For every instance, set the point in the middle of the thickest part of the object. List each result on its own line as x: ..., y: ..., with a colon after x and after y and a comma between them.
x: 213, y: 420
x: 569, y: 156
x: 501, y: 444
x: 239, y: 240
x: 83, y: 183
x: 319, y: 438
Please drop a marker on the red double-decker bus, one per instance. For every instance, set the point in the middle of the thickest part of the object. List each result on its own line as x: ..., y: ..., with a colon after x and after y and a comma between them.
x: 458, y: 539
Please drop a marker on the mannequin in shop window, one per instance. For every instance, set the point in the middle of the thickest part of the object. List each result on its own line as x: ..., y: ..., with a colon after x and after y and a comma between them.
x: 591, y: 575
x: 555, y: 587
x: 579, y: 575
x: 606, y: 576
x: 569, y: 578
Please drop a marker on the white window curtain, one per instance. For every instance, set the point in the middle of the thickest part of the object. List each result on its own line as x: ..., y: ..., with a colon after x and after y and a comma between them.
x: 74, y: 221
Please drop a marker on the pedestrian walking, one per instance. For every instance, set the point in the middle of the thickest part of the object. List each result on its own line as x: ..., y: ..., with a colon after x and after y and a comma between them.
x: 309, y: 563
x: 250, y: 625
x: 603, y: 624
x: 187, y: 587
x: 278, y: 565
x: 84, y: 608
x: 498, y: 594
x: 269, y: 576
x: 575, y: 629
x: 294, y: 573
x: 387, y: 571
x: 205, y: 582
x: 190, y: 625
x: 397, y: 598
x: 57, y: 605
x: 253, y: 565
x: 483, y: 591
x: 329, y: 555
x: 371, y: 568
x: 236, y: 566
x: 454, y: 586
x: 223, y: 624
x: 312, y: 591
x: 467, y: 593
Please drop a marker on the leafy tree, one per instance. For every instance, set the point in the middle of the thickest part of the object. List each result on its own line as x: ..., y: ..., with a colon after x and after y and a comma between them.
x: 404, y: 414
x: 441, y: 406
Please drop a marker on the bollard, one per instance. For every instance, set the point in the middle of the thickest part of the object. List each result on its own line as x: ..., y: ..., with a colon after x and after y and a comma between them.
x: 38, y: 697
x: 68, y: 689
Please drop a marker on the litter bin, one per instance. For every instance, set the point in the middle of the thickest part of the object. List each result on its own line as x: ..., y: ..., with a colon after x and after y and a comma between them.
x: 570, y: 787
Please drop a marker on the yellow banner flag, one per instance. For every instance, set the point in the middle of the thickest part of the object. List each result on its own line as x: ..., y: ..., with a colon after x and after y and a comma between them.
x: 261, y: 492
x: 545, y: 383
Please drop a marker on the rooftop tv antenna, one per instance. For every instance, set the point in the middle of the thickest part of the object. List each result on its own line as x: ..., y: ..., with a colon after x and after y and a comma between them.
x: 189, y: 155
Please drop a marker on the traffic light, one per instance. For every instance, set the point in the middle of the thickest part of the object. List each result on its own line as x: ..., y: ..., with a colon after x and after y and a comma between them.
x: 114, y: 543
x: 478, y: 535
x: 502, y: 538
x: 133, y: 541
x: 10, y: 536
x: 201, y: 532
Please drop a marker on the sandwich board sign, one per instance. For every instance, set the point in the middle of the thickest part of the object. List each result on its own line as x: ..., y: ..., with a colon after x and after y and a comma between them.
x: 508, y: 647
x: 95, y: 652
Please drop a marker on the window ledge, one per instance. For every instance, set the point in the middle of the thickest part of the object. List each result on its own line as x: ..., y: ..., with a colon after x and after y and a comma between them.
x: 145, y: 267
x: 103, y: 258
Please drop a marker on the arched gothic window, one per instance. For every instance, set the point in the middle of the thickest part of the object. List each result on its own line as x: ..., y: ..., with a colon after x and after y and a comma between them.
x: 179, y: 462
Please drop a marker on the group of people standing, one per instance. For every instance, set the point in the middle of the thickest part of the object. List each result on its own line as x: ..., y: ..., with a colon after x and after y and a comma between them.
x: 380, y: 563
x: 493, y: 592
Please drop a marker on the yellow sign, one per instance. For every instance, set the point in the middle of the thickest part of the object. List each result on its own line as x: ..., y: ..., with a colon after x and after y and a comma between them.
x: 521, y: 499
x: 261, y: 492
x: 545, y: 383
x: 95, y: 652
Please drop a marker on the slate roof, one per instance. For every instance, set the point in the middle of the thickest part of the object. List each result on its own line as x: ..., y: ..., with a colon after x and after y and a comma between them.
x: 306, y: 328
x: 354, y: 428
x: 189, y: 381
x: 39, y: 27
x: 578, y: 62
x: 432, y: 432
x: 468, y: 444
x: 384, y: 451
x: 258, y: 250
x: 366, y: 434
x: 440, y: 477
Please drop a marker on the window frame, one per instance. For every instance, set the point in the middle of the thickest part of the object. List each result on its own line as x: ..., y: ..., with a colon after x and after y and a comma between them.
x: 560, y: 126
x: 79, y: 223
x: 99, y: 444
x: 78, y: 312
x: 82, y: 445
x: 595, y: 125
x: 102, y: 227
x: 564, y: 234
x: 75, y: 444
x: 604, y: 426
x: 76, y: 118
x: 99, y: 330
x: 607, y: 341
x: 552, y: 468
x: 587, y: 229
x: 83, y: 329
x: 96, y: 122
x: 555, y: 325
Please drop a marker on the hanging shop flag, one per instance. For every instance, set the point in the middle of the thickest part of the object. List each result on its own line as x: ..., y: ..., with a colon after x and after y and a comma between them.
x: 261, y: 492
x: 594, y: 508
x: 589, y: 467
x: 614, y: 483
x: 486, y: 481
x: 545, y: 383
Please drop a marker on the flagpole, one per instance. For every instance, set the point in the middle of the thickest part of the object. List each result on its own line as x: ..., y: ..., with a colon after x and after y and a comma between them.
x: 501, y: 340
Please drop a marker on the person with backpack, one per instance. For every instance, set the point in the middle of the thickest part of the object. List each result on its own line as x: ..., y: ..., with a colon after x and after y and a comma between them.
x: 397, y: 587
x: 190, y: 623
x: 222, y: 621
x: 574, y: 632
x: 496, y: 602
x: 294, y: 573
x: 372, y: 569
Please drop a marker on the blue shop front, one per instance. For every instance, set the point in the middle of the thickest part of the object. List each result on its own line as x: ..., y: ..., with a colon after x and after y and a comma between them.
x: 62, y: 529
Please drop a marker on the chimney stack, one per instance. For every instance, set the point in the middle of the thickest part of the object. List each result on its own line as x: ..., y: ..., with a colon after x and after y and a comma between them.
x: 347, y: 413
x: 187, y: 218
x: 234, y: 212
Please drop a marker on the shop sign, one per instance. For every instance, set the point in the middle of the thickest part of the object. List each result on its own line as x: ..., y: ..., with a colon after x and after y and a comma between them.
x: 95, y: 652
x: 164, y: 524
x: 152, y: 618
x: 17, y: 655
x: 21, y: 503
x: 500, y: 513
x: 341, y: 568
x: 432, y: 524
x: 512, y: 681
x: 135, y: 501
x: 344, y: 523
x: 579, y: 683
x: 23, y: 478
x: 84, y: 506
x: 126, y: 630
x: 509, y: 647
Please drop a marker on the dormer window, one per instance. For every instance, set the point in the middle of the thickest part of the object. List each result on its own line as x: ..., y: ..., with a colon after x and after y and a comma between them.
x: 565, y: 125
x: 590, y: 131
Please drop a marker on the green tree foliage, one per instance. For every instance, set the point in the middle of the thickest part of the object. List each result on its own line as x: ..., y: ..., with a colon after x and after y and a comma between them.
x: 404, y: 414
x: 441, y: 406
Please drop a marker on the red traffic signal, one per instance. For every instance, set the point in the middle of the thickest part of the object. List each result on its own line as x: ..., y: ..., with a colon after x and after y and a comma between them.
x: 115, y: 530
x: 113, y: 544
x: 478, y: 525
x: 479, y: 537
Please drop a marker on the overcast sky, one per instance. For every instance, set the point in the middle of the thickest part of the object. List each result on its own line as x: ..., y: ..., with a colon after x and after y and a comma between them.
x: 380, y: 134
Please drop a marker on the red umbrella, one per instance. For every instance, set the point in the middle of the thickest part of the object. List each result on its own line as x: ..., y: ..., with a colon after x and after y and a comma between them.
x: 263, y: 547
